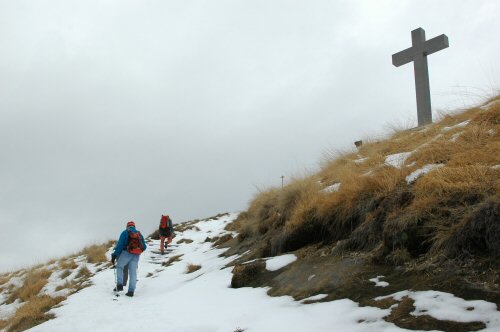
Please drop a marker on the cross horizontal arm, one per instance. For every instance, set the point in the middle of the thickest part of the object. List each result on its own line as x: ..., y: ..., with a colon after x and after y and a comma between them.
x: 436, y: 44
x: 403, y: 57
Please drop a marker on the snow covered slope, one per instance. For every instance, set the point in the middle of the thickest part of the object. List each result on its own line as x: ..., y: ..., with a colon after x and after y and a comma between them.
x: 168, y: 298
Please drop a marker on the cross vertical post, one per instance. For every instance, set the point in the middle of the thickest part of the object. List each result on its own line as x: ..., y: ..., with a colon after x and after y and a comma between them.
x: 418, y: 54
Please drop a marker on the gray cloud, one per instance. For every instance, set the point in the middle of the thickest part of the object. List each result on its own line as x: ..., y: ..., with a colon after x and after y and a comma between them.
x: 121, y: 110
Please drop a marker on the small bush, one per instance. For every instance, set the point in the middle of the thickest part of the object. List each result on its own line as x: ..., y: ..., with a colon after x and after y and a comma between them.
x: 192, y: 268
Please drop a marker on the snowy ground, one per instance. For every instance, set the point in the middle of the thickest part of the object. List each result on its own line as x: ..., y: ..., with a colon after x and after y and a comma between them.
x: 169, y: 299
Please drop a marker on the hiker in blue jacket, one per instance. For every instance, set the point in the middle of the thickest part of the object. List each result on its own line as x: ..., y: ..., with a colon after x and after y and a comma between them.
x: 128, y: 249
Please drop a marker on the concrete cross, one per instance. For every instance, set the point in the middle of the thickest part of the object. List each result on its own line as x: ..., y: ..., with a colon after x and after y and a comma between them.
x: 418, y: 53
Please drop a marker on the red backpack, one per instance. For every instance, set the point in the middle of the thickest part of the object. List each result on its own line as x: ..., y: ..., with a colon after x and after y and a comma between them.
x: 164, y: 222
x: 135, y: 243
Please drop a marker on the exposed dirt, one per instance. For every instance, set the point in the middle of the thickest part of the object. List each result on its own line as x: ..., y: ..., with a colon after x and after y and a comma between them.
x: 317, y: 271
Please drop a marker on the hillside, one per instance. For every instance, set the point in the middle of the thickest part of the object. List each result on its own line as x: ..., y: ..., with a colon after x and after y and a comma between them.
x: 403, y: 233
x: 189, y: 289
x: 421, y: 208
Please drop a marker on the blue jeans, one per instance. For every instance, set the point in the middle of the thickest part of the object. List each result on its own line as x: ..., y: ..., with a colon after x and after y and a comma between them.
x: 132, y: 261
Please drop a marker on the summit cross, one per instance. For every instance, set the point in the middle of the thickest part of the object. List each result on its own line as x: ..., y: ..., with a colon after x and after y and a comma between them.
x: 418, y: 53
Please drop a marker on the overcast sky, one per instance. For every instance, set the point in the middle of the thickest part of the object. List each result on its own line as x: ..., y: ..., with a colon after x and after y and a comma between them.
x: 114, y: 110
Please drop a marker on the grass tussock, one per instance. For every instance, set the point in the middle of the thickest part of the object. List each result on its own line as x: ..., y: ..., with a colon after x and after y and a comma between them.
x: 451, y: 212
x: 35, y: 280
x: 65, y: 274
x: 5, y: 278
x: 33, y: 313
x: 96, y: 253
x: 172, y: 260
x: 66, y: 285
x: 68, y: 264
x: 245, y: 274
x: 192, y: 268
x: 245, y: 233
x: 83, y: 272
x: 223, y: 239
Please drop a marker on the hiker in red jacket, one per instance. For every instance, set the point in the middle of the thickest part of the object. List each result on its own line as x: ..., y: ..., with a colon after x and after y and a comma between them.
x: 166, y: 230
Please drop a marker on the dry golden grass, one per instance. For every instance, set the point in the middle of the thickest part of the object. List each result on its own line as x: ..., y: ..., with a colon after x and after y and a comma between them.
x: 274, y: 206
x: 66, y: 285
x: 5, y: 278
x: 35, y: 280
x: 68, y: 264
x: 65, y: 274
x: 192, y: 268
x: 33, y: 313
x: 448, y: 182
x: 185, y: 241
x: 376, y: 209
x: 83, y: 272
x: 172, y: 260
x: 245, y: 232
x: 223, y: 239
x: 96, y: 253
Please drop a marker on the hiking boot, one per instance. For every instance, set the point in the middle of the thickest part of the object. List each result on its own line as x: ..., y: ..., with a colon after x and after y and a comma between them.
x: 118, y: 288
x: 130, y: 294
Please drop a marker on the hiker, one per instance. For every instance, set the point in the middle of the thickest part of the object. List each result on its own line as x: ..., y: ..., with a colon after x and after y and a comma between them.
x: 128, y: 249
x: 166, y: 230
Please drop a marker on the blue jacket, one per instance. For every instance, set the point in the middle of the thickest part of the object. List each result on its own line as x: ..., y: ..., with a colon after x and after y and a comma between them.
x: 123, y: 241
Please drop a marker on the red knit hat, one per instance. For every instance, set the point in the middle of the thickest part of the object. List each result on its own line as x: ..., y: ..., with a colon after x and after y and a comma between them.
x: 130, y: 224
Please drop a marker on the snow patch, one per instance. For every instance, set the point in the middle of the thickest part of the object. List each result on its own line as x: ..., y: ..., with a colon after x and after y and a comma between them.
x: 455, y: 137
x: 446, y: 306
x: 360, y: 160
x: 397, y: 160
x: 459, y: 125
x: 378, y: 282
x: 331, y: 189
x: 495, y: 167
x: 421, y: 171
x: 315, y: 297
x: 276, y: 263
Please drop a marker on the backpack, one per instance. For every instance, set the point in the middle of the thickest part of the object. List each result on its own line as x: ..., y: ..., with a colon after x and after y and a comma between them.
x: 135, y: 243
x: 164, y: 222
